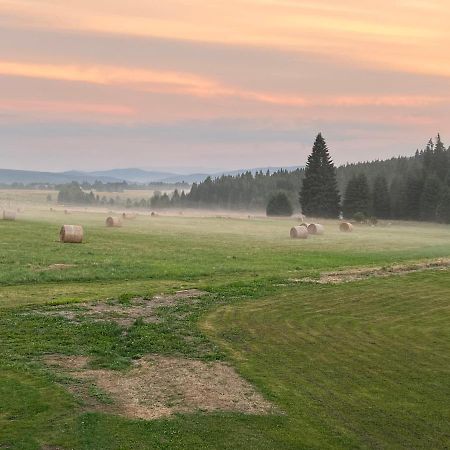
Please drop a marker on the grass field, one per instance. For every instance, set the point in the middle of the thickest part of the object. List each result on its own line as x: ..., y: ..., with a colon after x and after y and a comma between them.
x: 364, y: 364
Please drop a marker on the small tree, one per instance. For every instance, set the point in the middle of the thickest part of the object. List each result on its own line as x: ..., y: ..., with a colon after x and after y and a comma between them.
x: 279, y: 205
x: 359, y: 217
x: 175, y: 200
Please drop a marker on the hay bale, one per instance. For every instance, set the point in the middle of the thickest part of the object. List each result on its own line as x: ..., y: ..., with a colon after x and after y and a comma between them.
x: 129, y: 216
x: 72, y: 234
x: 346, y: 227
x: 9, y: 215
x: 315, y: 228
x: 299, y: 232
x: 113, y: 222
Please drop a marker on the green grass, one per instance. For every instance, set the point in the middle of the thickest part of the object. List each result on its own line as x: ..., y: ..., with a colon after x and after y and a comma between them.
x: 358, y: 365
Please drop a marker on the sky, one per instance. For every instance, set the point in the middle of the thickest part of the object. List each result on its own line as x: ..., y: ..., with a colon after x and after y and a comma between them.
x: 99, y: 84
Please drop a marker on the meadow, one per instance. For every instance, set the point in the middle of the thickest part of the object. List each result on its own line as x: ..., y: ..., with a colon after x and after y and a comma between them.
x: 363, y: 364
x: 29, y: 198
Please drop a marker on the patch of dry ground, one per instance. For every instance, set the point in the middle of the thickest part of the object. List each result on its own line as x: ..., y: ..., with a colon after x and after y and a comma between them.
x: 160, y: 386
x: 53, y: 267
x: 124, y: 314
x: 354, y: 274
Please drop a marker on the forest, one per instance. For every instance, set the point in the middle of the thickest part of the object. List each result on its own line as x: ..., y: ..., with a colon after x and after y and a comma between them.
x: 410, y: 188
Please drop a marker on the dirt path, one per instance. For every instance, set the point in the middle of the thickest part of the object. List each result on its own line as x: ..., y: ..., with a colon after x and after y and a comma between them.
x: 354, y: 274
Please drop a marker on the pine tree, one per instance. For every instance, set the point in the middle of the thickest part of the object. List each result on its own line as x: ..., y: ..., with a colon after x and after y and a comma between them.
x: 381, y: 202
x: 430, y: 198
x: 175, y: 200
x: 357, y: 196
x: 428, y: 155
x: 440, y: 163
x: 319, y: 195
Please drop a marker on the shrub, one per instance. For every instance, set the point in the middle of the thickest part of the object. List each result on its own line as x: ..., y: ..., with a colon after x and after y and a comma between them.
x: 359, y: 217
x: 279, y: 205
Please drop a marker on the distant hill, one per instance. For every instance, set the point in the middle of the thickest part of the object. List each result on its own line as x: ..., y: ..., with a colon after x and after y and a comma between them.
x: 8, y: 176
x: 131, y: 175
x: 134, y: 175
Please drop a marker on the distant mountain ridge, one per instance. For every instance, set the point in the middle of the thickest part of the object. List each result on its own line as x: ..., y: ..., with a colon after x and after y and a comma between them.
x: 10, y: 176
x: 131, y: 175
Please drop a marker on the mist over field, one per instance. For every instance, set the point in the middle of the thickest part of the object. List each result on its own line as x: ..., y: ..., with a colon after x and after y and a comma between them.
x: 224, y: 225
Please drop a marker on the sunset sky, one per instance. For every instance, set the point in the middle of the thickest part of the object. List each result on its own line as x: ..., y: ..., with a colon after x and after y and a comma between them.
x: 97, y: 84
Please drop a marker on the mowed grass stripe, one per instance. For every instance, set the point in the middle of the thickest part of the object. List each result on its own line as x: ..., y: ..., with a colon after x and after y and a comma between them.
x: 363, y: 368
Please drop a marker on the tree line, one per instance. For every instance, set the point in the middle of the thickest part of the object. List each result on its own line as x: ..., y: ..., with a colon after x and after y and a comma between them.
x: 410, y: 188
x: 419, y: 188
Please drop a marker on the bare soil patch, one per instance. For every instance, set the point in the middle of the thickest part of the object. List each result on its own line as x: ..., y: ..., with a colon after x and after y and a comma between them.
x: 159, y: 386
x: 123, y: 313
x: 345, y: 276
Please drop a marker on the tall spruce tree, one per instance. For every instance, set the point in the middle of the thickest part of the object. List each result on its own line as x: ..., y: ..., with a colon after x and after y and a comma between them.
x: 319, y: 195
x: 381, y: 202
x: 357, y: 196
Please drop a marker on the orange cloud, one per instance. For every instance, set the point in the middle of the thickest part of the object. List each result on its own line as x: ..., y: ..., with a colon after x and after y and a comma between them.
x: 402, y: 35
x: 115, y: 75
x: 193, y: 85
x: 59, y: 107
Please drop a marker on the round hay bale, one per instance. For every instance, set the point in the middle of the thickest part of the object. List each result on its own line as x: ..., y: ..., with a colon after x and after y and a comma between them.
x: 346, y: 227
x: 71, y: 234
x: 299, y: 232
x: 315, y: 228
x: 113, y: 222
x: 9, y: 215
